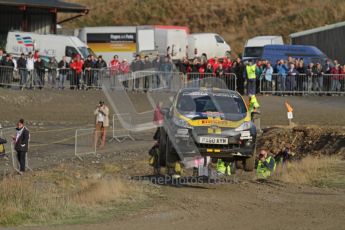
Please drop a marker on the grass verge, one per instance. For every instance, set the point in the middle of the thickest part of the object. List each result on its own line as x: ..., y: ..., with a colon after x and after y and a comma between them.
x: 317, y: 171
x: 57, y: 197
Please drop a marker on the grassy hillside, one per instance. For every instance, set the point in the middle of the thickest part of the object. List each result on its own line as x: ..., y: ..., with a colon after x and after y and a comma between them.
x: 235, y: 20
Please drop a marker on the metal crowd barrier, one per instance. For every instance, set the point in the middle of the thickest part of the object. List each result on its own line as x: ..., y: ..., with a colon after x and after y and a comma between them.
x: 91, y: 78
x: 226, y: 80
x: 34, y: 78
x: 303, y: 84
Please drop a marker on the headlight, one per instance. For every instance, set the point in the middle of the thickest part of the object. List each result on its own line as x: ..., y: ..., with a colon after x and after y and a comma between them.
x: 181, y: 123
x: 245, y: 126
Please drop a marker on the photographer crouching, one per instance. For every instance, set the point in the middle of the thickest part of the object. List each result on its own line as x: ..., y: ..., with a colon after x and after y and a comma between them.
x: 102, y: 122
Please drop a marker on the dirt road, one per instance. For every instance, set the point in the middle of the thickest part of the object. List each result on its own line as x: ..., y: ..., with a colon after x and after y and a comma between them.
x: 244, y: 205
x: 236, y: 206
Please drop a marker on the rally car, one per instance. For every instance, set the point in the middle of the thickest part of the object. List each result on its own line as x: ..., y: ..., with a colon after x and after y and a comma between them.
x: 208, y: 122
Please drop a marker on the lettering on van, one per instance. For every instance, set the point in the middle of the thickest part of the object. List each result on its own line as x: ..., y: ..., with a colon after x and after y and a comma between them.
x: 111, y: 38
x: 22, y: 49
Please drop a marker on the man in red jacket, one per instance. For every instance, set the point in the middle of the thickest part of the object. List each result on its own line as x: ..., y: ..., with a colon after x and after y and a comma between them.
x: 77, y: 68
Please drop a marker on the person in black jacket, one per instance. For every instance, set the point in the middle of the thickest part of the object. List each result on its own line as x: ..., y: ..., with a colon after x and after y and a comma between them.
x: 21, y: 144
x: 63, y: 71
x: 89, y: 71
x: 7, y: 74
x: 40, y: 71
x: 100, y: 67
x: 21, y: 65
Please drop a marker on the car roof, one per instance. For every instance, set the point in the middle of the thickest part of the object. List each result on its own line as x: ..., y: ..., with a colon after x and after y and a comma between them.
x: 207, y: 90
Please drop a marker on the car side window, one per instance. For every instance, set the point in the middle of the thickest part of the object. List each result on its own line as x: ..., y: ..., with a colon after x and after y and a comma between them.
x: 219, y: 39
x: 70, y: 51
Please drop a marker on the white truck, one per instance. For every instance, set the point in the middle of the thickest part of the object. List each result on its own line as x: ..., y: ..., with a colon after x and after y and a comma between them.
x: 254, y: 46
x: 207, y: 45
x: 49, y: 45
x: 163, y: 40
x: 109, y: 41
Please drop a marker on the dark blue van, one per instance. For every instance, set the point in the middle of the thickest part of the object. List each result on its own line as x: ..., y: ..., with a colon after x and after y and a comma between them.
x: 309, y: 54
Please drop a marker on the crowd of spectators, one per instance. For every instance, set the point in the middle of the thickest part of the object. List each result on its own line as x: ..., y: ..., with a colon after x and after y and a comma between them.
x: 291, y: 75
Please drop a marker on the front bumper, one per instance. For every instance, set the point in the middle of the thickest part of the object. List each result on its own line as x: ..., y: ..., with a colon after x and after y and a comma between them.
x: 188, y: 145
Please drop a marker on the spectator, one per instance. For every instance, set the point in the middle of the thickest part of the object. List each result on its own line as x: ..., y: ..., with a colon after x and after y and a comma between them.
x: 291, y: 78
x: 166, y: 67
x: 220, y: 71
x: 137, y: 65
x: 209, y: 71
x: 147, y: 65
x: 21, y: 65
x: 21, y: 144
x: 250, y: 73
x: 30, y: 66
x: 98, y: 74
x: 238, y: 69
x: 326, y: 70
x: 308, y: 84
x: 102, y: 123
x: 124, y: 69
x: 156, y: 66
x: 1, y: 56
x: 269, y: 84
x: 317, y: 77
x: 258, y: 72
x: 114, y: 66
x: 301, y: 75
x: 282, y: 71
x: 7, y: 71
x: 194, y: 75
x: 40, y: 72
x: 335, y: 80
x: 184, y: 66
x: 52, y: 71
x: 77, y: 68
x: 89, y: 69
x: 63, y: 71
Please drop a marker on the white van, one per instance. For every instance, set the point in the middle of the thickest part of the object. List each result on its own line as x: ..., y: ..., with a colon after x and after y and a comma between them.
x: 254, y: 46
x: 50, y: 45
x: 207, y: 45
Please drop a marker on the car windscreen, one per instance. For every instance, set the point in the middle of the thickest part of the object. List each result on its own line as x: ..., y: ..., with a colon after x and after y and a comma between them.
x: 84, y: 51
x: 230, y: 105
x: 253, y: 51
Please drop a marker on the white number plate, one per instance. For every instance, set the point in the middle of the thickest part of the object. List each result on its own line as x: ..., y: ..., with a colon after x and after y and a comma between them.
x: 214, y: 140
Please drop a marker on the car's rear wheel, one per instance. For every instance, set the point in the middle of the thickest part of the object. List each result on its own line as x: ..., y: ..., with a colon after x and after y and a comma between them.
x: 239, y: 164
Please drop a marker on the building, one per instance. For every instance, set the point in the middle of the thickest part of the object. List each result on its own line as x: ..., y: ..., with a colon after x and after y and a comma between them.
x: 39, y: 16
x: 330, y: 39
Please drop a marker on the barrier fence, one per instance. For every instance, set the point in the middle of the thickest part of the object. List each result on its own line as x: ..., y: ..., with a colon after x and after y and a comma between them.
x: 85, y: 142
x: 303, y: 84
x: 91, y: 78
x: 121, y: 127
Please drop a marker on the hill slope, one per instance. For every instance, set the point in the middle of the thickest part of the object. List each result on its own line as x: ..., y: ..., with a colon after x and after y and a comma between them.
x: 235, y: 20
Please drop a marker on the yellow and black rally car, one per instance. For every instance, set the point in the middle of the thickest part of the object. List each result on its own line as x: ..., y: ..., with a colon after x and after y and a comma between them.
x: 208, y: 122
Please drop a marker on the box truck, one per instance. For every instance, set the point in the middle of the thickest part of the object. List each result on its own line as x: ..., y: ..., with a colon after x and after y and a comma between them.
x: 110, y: 40
x: 49, y: 45
x: 163, y: 40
